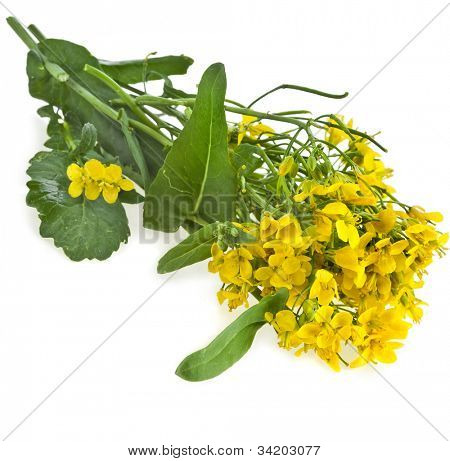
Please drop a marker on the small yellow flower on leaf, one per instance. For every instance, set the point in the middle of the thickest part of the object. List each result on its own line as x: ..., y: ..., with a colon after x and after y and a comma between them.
x: 95, y: 179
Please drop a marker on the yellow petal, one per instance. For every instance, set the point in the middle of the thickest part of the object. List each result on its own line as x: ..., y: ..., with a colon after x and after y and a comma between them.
x: 347, y: 258
x: 386, y: 264
x: 74, y: 172
x: 113, y: 173
x: 278, y: 281
x: 385, y: 355
x: 342, y: 230
x: 110, y: 193
x: 245, y: 269
x: 286, y: 320
x: 126, y: 184
x: 382, y: 243
x: 76, y: 188
x: 244, y: 253
x: 324, y: 339
x: 353, y: 236
x: 308, y: 332
x: 230, y: 268
x: 341, y: 319
x: 263, y: 273
x: 323, y: 276
x: 95, y: 169
x: 397, y: 247
x: 92, y: 190
x: 336, y: 208
x: 386, y: 221
x: 291, y: 265
x: 323, y: 314
x: 286, y: 166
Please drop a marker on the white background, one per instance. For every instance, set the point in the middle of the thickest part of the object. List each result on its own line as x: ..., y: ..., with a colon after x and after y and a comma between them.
x: 55, y: 312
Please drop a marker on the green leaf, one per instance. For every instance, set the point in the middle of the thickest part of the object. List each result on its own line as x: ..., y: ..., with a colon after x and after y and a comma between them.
x: 195, y: 248
x: 58, y: 128
x: 232, y: 343
x: 131, y: 197
x: 245, y: 155
x: 197, y: 178
x: 72, y: 59
x: 142, y: 70
x: 82, y: 228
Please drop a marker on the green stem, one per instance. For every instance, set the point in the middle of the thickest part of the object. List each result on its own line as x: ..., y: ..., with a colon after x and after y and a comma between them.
x: 113, y: 114
x: 134, y: 147
x: 299, y: 88
x: 126, y: 98
x: 36, y: 32
x: 198, y: 220
x: 266, y: 158
x: 189, y: 102
x: 22, y: 33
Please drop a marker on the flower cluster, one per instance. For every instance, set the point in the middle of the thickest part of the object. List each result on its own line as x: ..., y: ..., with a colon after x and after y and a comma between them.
x: 94, y: 179
x: 350, y: 254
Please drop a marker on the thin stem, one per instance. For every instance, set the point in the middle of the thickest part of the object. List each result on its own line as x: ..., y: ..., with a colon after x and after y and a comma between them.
x: 113, y: 114
x: 126, y: 98
x: 299, y: 88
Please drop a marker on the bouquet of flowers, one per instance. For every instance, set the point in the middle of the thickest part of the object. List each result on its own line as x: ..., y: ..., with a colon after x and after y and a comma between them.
x: 291, y: 208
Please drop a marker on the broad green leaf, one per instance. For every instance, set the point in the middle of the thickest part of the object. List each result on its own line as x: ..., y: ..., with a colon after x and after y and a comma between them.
x: 197, y: 178
x: 142, y: 70
x: 232, y: 343
x: 246, y: 155
x: 58, y: 128
x: 195, y: 248
x: 82, y: 228
x: 72, y: 58
x: 132, y: 197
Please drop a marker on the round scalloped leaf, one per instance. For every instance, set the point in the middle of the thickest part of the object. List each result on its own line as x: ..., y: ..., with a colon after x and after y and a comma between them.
x: 84, y: 229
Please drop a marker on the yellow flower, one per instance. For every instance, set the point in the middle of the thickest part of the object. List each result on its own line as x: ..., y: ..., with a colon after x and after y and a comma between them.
x: 268, y: 226
x: 287, y: 271
x: 421, y: 233
x: 345, y: 223
x: 286, y: 166
x: 323, y: 227
x: 254, y: 130
x: 270, y: 277
x: 324, y: 287
x: 114, y: 183
x: 337, y: 135
x: 217, y: 258
x: 420, y: 214
x: 95, y: 170
x: 289, y: 230
x: 352, y: 193
x: 381, y: 327
x: 95, y: 179
x: 280, y: 251
x: 384, y: 258
x: 236, y: 296
x: 347, y: 258
x: 326, y: 333
x: 369, y: 156
x: 311, y: 188
x: 285, y: 324
x: 386, y: 221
